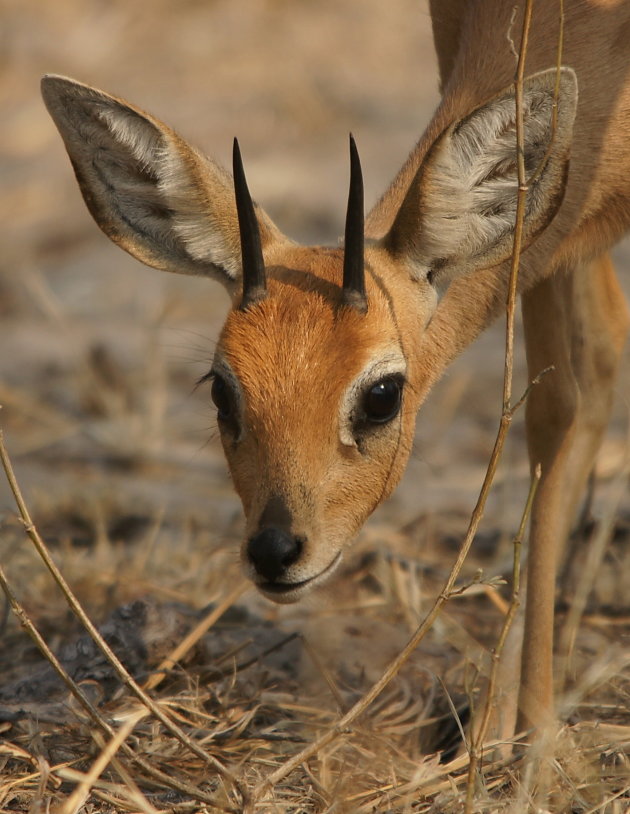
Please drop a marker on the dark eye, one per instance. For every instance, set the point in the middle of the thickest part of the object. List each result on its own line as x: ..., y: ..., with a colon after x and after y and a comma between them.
x: 222, y: 398
x: 381, y: 402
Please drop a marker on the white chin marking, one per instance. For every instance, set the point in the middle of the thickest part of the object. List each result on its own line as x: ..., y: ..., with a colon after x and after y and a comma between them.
x: 284, y: 593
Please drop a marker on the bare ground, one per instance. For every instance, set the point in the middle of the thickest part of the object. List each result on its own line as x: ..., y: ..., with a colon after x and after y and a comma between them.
x: 121, y: 467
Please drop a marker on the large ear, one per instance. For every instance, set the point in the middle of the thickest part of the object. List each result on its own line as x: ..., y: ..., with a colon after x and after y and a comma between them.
x: 460, y: 210
x: 147, y: 189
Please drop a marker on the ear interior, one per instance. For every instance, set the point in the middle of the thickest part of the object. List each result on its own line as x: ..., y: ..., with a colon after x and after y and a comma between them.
x: 147, y: 189
x: 460, y: 210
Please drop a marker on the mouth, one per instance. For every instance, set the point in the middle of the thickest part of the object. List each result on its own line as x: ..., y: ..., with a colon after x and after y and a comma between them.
x: 287, y: 592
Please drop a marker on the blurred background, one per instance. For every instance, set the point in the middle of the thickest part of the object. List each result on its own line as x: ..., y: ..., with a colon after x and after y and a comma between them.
x: 99, y: 356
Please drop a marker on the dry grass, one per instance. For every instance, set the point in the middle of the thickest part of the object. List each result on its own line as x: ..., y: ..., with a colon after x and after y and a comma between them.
x: 111, y: 450
x: 251, y: 695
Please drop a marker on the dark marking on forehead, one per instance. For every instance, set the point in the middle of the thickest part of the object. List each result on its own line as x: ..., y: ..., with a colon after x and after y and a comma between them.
x: 378, y: 281
x: 307, y: 282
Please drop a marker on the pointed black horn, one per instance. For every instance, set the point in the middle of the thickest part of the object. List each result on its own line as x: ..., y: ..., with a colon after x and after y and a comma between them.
x: 254, y: 280
x: 353, y: 261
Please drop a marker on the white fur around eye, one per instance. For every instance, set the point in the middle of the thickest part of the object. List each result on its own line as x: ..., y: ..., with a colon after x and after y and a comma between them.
x: 388, y: 363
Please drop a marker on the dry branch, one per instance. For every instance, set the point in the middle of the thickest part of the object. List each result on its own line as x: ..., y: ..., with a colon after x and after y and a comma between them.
x: 109, y: 654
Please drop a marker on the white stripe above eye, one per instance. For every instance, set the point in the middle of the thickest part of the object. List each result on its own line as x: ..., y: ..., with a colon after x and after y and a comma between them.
x: 389, y: 362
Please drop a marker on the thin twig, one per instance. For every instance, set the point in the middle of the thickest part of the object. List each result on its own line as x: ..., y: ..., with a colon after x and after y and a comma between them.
x: 343, y: 725
x: 520, y: 214
x: 325, y: 673
x: 165, y: 779
x: 243, y: 665
x: 535, y: 381
x: 556, y: 95
x: 26, y: 622
x: 159, y: 776
x: 476, y: 749
x: 477, y: 742
x: 109, y: 654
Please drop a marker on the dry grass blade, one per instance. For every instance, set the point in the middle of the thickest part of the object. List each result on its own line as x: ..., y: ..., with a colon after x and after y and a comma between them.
x: 195, y: 634
x: 80, y: 794
x: 135, y: 796
x: 604, y: 806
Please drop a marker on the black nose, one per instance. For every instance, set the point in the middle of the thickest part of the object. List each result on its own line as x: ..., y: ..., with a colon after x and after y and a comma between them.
x: 272, y: 551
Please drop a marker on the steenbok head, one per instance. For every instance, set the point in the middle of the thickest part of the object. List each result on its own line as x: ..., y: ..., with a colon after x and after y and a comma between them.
x: 318, y: 372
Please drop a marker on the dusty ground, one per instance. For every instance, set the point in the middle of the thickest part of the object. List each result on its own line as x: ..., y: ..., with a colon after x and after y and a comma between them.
x: 116, y: 453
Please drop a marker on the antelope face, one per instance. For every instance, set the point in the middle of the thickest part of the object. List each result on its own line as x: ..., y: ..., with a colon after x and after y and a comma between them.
x: 315, y: 405
x: 319, y: 369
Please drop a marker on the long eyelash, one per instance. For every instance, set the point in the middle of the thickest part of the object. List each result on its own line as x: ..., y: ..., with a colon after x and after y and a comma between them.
x: 207, y: 377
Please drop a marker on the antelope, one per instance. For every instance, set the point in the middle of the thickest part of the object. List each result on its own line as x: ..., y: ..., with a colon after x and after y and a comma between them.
x: 327, y: 353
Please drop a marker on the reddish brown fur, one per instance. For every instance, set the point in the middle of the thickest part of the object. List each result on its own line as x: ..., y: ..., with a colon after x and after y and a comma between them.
x: 566, y: 416
x: 294, y: 355
x: 297, y: 357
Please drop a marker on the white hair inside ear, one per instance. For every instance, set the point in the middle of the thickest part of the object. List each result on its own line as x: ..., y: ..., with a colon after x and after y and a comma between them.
x: 148, y: 190
x: 460, y: 211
